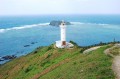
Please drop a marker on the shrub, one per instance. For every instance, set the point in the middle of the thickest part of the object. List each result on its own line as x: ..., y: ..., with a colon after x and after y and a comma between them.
x: 44, y: 63
x: 48, y: 48
x: 28, y: 69
x: 35, y: 52
x: 49, y: 55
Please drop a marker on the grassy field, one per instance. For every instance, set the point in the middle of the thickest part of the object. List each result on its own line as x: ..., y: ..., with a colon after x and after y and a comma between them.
x: 52, y: 63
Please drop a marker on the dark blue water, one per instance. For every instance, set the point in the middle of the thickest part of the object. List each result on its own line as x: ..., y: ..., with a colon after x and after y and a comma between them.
x: 18, y: 31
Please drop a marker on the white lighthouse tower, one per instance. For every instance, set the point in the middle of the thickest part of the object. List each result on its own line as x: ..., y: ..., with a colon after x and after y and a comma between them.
x: 62, y: 43
x: 63, y: 33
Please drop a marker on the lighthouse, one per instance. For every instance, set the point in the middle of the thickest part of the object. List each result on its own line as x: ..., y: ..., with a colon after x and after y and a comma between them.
x: 62, y: 42
x: 63, y: 33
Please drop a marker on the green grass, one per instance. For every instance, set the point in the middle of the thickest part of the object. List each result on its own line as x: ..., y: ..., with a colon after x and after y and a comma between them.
x: 51, y: 63
x: 115, y: 50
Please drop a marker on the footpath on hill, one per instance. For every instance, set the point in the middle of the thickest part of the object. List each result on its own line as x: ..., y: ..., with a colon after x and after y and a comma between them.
x: 116, y: 66
x: 91, y: 49
x: 116, y: 61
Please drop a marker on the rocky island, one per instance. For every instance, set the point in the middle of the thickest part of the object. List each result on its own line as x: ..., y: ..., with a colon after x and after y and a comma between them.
x: 57, y: 23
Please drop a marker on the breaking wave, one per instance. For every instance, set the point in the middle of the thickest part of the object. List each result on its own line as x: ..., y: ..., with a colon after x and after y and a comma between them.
x: 112, y: 27
x: 46, y: 24
x: 88, y: 23
x: 77, y: 23
x: 106, y: 26
x: 23, y: 27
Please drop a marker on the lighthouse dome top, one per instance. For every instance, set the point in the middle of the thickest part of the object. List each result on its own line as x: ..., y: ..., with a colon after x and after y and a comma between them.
x: 63, y: 22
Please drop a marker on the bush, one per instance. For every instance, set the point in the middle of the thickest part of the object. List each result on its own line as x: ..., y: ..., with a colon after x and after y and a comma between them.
x: 74, y: 63
x: 28, y: 69
x: 44, y: 63
x: 49, y: 55
x: 35, y: 52
x: 73, y: 42
x: 49, y: 48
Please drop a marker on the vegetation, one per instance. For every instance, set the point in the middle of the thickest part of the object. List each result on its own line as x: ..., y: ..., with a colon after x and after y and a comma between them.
x: 115, y: 50
x: 53, y: 63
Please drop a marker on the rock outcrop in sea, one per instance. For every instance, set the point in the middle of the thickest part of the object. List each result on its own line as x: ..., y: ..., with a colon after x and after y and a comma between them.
x: 8, y: 57
x: 57, y: 23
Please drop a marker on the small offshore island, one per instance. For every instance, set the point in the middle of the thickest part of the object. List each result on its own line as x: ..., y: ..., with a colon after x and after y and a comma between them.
x: 52, y: 63
x: 57, y: 23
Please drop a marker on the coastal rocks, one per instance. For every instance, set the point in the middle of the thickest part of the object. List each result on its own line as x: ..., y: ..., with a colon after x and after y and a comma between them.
x: 7, y: 57
x: 57, y: 23
x: 30, y: 45
x: 1, y: 59
x: 33, y: 42
x: 26, y: 45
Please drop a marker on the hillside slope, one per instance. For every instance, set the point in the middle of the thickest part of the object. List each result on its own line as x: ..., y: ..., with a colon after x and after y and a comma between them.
x: 53, y: 63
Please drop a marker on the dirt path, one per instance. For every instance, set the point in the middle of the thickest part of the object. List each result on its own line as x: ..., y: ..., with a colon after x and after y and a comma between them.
x: 116, y: 61
x: 107, y: 52
x: 91, y: 49
x: 116, y: 66
x: 37, y: 76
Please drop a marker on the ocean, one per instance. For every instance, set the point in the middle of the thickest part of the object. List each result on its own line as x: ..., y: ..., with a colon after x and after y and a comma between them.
x: 18, y: 31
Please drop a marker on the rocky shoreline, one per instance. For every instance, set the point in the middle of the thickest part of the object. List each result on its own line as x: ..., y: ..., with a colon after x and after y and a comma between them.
x: 10, y: 57
x: 7, y: 57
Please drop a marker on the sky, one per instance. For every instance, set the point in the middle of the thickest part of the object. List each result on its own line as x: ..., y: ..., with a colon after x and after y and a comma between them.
x: 41, y: 7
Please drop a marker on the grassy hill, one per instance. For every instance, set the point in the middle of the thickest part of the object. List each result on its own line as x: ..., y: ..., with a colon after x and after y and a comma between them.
x: 53, y: 63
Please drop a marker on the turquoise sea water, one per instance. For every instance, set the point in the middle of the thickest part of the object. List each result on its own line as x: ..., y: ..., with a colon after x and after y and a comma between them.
x: 18, y: 31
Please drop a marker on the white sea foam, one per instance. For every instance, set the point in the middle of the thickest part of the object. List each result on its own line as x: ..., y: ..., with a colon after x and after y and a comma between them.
x: 112, y: 27
x: 106, y: 26
x: 77, y: 23
x: 2, y: 30
x: 88, y: 23
x: 23, y: 27
x: 45, y: 24
x: 103, y: 24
